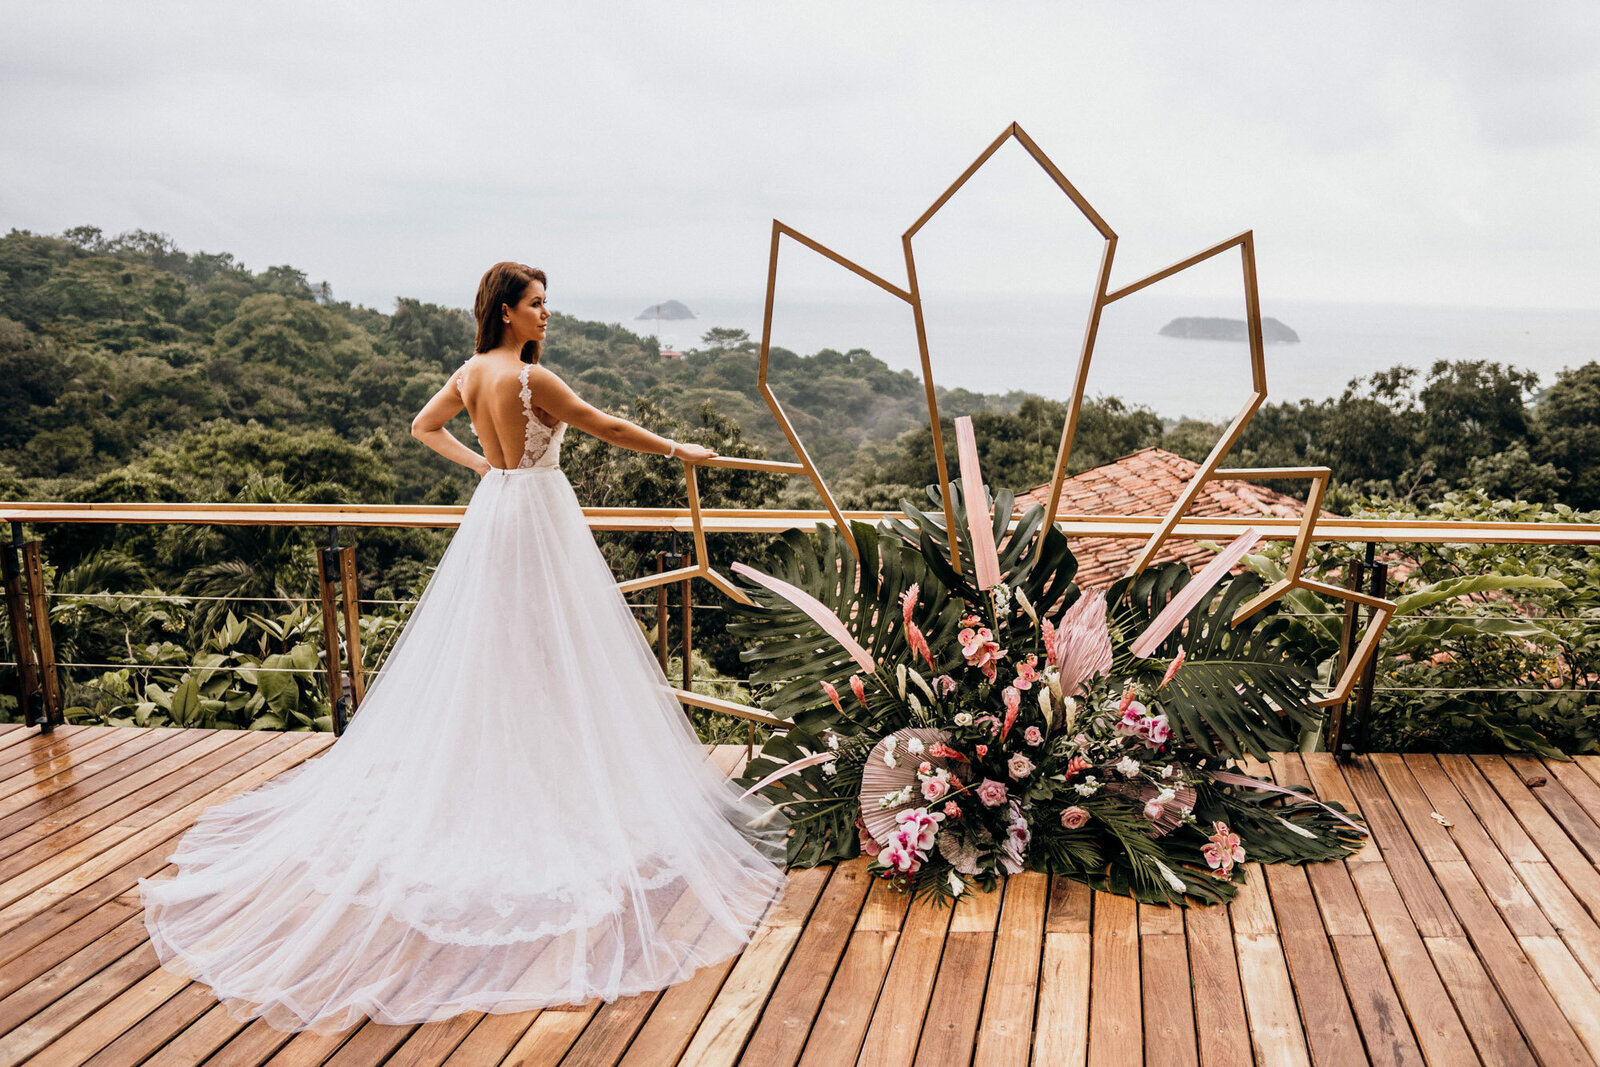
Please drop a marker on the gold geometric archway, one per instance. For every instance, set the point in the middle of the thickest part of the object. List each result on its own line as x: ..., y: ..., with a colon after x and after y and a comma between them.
x: 1104, y: 295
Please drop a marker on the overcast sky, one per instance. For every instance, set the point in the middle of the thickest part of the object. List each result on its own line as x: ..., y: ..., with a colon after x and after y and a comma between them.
x: 1413, y: 153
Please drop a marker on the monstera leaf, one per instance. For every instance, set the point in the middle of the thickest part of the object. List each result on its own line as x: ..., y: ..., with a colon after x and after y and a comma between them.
x: 792, y: 648
x: 1047, y: 580
x: 1242, y: 689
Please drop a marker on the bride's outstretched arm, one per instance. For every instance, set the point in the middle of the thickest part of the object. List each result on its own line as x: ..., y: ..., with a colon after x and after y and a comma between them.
x: 428, y: 427
x: 553, y: 394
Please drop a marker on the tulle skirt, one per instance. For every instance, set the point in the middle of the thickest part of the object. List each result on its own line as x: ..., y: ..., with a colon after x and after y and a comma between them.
x: 518, y: 816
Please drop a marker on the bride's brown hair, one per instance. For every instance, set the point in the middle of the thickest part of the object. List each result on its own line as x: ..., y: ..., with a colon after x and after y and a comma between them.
x: 504, y: 283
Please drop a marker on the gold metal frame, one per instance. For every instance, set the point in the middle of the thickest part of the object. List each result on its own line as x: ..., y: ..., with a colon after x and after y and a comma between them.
x: 1380, y: 610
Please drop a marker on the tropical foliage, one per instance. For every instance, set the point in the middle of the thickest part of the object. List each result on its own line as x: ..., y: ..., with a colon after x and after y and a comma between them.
x: 960, y: 733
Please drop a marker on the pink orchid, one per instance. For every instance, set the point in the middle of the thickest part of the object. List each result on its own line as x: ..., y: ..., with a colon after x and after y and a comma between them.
x: 898, y: 856
x: 859, y: 688
x: 1177, y: 661
x: 970, y: 620
x: 1019, y: 766
x: 1033, y: 736
x: 833, y: 695
x: 1157, y: 730
x: 992, y: 793
x: 1223, y: 850
x: 1083, y: 644
x: 1027, y: 673
x: 944, y: 685
x: 919, y: 827
x: 966, y: 635
x: 908, y: 602
x: 1074, y: 818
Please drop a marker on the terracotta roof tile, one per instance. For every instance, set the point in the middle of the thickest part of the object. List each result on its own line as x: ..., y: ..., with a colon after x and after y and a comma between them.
x: 1147, y: 482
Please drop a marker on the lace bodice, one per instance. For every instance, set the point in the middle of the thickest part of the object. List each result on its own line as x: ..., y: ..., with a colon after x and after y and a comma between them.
x: 541, y: 444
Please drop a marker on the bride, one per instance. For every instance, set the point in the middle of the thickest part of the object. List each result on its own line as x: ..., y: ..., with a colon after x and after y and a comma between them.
x: 520, y: 815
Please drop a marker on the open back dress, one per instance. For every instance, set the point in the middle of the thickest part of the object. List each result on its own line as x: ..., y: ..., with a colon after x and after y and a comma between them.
x: 519, y: 815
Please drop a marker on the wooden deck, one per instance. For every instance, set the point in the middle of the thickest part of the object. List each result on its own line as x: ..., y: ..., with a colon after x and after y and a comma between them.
x: 1467, y: 932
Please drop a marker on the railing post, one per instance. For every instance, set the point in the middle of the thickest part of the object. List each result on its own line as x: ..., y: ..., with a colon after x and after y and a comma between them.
x: 1379, y: 588
x: 688, y: 638
x: 329, y: 573
x: 352, y: 625
x: 661, y: 613
x: 1347, y: 647
x: 29, y: 697
x: 44, y: 644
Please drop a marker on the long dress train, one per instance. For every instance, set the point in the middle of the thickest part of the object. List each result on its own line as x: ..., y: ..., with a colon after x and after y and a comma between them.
x: 518, y: 816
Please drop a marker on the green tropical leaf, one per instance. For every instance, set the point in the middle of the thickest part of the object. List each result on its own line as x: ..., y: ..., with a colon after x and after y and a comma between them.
x: 1242, y: 690
x: 1451, y: 588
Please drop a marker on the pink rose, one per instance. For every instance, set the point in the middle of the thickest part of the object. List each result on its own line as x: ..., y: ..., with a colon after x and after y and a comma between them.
x: 1019, y: 766
x: 925, y: 768
x: 933, y: 789
x: 952, y: 810
x: 1033, y: 736
x: 992, y: 793
x: 982, y: 750
x: 1074, y: 817
x: 1154, y: 810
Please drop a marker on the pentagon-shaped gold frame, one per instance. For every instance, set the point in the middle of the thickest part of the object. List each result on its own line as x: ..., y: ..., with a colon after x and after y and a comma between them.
x: 1381, y: 610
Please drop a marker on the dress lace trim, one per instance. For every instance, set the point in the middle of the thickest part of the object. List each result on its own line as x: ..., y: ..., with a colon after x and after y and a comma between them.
x: 535, y: 434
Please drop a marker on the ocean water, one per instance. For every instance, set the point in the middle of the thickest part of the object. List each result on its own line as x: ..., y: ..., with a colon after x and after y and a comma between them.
x: 996, y: 344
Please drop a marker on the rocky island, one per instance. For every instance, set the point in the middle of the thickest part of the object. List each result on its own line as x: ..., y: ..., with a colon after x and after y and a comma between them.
x: 1196, y: 327
x: 668, y: 309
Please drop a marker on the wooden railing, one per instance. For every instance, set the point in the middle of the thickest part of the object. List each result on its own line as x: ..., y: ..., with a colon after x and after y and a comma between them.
x: 40, y: 689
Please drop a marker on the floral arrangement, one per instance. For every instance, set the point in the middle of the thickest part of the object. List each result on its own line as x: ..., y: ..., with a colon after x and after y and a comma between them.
x: 953, y: 729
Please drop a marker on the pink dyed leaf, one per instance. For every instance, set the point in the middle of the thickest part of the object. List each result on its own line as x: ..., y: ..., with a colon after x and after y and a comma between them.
x: 786, y: 770
x: 1197, y: 589
x: 985, y: 560
x: 816, y: 609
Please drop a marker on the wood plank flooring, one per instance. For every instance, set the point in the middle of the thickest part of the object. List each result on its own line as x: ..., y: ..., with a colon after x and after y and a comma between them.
x: 1467, y: 931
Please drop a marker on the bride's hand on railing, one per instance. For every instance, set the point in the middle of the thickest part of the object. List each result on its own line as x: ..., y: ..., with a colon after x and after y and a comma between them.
x: 692, y: 453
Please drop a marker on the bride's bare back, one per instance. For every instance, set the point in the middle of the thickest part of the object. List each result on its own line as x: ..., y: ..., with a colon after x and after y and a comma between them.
x: 513, y: 429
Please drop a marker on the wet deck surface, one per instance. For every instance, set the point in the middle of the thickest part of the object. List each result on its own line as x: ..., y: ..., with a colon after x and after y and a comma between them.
x: 1465, y: 932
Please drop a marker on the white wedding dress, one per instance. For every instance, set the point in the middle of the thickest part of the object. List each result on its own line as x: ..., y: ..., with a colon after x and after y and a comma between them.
x: 519, y: 814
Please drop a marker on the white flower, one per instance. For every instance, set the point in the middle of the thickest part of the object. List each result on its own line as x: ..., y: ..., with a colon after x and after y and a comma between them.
x: 1166, y: 872
x: 1088, y: 787
x: 916, y: 705
x: 830, y: 769
x: 1000, y: 594
x: 922, y: 683
x: 963, y: 718
x: 1044, y: 702
x: 1027, y: 606
x: 956, y: 884
x: 1168, y: 771
x: 900, y: 679
x: 1127, y: 766
x: 833, y: 742
x: 1165, y: 795
x: 889, y: 760
x: 914, y: 744
x: 1301, y: 830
